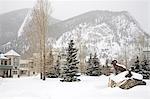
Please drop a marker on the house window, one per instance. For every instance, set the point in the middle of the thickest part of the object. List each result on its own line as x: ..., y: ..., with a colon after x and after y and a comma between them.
x: 16, y: 61
x: 10, y: 61
x: 1, y: 62
x: 14, y: 72
x: 5, y: 62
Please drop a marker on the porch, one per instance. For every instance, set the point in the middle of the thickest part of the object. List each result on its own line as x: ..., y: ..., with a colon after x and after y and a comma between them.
x: 6, y: 71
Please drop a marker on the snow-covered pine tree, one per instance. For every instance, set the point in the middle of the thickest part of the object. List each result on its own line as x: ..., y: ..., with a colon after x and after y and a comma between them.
x: 106, y: 63
x: 57, y: 67
x: 136, y: 67
x: 106, y: 69
x: 51, y: 72
x: 70, y: 70
x: 142, y: 68
x: 93, y: 66
x: 145, y: 69
x: 90, y: 66
x: 96, y: 63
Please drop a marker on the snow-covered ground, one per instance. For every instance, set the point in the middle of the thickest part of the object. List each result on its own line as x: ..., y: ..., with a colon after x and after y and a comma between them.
x: 52, y: 88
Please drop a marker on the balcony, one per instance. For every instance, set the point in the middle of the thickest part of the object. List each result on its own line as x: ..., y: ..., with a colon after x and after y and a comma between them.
x: 6, y: 67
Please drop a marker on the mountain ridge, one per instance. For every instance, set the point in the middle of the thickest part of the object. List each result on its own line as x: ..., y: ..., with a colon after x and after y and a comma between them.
x: 111, y: 26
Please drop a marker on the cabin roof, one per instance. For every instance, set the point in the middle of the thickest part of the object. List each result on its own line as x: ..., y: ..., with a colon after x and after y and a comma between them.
x: 2, y: 57
x: 11, y: 53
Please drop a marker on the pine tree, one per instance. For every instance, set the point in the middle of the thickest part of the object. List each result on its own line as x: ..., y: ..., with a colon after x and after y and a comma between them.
x: 106, y: 63
x: 106, y: 70
x: 145, y: 69
x: 70, y: 70
x: 51, y: 72
x: 93, y: 66
x: 142, y: 68
x: 57, y: 67
x: 90, y: 65
x: 136, y: 67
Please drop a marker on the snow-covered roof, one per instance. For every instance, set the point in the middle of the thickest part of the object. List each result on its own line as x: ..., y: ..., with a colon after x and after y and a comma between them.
x: 121, y: 76
x: 2, y: 56
x: 11, y: 53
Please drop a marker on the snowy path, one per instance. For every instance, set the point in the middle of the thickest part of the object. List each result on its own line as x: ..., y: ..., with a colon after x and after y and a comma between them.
x: 87, y: 88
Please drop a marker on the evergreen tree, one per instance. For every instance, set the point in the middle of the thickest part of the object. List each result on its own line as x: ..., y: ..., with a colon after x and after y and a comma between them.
x: 70, y: 70
x: 106, y: 63
x: 136, y: 67
x: 142, y: 68
x: 57, y: 67
x: 106, y: 70
x: 90, y: 66
x: 93, y: 66
x: 54, y: 70
x: 145, y: 69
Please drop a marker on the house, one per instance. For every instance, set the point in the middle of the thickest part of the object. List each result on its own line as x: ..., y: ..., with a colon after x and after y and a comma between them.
x: 146, y: 53
x: 5, y: 67
x: 36, y: 63
x: 9, y: 64
x: 26, y: 67
x: 33, y: 65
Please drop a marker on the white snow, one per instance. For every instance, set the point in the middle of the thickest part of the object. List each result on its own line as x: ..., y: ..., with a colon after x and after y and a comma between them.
x: 52, y: 88
x: 2, y: 56
x: 121, y: 76
x: 121, y: 65
x: 27, y: 19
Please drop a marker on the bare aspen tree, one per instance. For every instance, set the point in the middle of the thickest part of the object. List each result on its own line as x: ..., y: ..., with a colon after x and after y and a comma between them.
x: 42, y: 11
x: 36, y: 30
x: 81, y: 45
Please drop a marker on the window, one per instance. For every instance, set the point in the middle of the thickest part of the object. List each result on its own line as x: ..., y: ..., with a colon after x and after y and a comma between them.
x: 1, y: 62
x: 14, y: 72
x: 10, y: 61
x: 5, y: 62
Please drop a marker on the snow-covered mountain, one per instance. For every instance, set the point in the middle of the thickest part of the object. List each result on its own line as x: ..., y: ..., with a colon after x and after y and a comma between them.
x: 18, y: 39
x: 10, y: 23
x: 110, y: 34
x: 113, y: 35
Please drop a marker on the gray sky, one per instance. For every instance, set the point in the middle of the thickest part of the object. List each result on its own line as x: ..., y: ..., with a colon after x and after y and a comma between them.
x: 63, y: 9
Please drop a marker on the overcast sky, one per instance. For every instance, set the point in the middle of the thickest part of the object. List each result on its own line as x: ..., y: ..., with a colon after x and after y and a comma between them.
x: 63, y: 9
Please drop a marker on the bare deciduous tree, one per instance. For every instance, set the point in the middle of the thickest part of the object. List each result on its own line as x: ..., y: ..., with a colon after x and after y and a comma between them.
x: 42, y: 11
x: 37, y: 29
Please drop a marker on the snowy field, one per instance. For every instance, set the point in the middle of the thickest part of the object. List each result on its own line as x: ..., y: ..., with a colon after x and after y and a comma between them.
x: 52, y: 88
